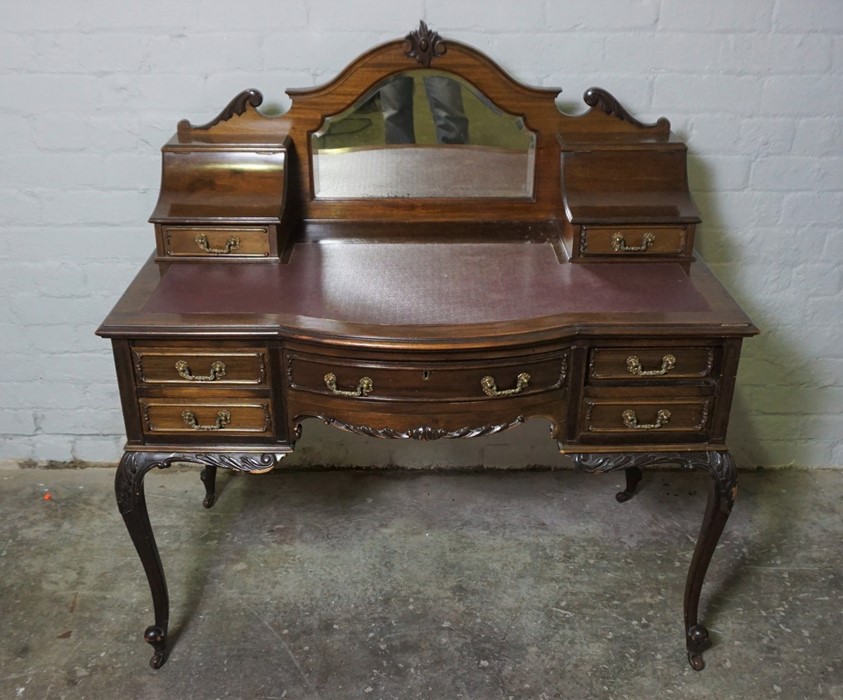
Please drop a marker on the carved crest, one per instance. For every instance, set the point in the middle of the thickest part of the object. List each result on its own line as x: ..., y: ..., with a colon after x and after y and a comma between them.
x: 608, y: 103
x: 424, y: 44
x: 239, y: 104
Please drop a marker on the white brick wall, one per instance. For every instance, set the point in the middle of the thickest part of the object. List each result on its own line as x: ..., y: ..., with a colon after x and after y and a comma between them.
x: 90, y: 89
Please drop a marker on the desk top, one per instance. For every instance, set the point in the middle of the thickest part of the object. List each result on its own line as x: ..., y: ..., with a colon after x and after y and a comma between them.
x: 362, y: 289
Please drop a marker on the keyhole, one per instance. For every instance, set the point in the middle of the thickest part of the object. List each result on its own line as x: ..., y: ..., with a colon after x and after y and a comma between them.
x: 426, y: 375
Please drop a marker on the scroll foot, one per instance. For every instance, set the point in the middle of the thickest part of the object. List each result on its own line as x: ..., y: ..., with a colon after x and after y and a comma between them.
x: 696, y: 660
x: 158, y: 639
x: 208, y: 476
x: 633, y: 478
x: 697, y: 642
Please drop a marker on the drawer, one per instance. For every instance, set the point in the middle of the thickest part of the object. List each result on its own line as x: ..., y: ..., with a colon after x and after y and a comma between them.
x: 432, y: 381
x: 200, y: 366
x: 636, y: 364
x: 210, y: 418
x: 216, y: 241
x: 646, y: 418
x: 634, y: 241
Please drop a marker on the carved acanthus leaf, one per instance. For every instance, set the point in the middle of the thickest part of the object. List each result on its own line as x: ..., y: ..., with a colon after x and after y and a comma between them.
x: 422, y: 432
x: 424, y: 44
x: 718, y: 463
x: 128, y: 483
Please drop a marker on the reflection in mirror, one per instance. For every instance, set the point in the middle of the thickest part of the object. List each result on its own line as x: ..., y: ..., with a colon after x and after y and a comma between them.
x: 423, y: 133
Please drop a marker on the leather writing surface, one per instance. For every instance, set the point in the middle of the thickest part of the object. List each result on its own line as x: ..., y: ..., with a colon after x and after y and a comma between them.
x: 425, y: 284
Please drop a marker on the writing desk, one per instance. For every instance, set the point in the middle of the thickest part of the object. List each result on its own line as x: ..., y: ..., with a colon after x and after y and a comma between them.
x: 448, y: 303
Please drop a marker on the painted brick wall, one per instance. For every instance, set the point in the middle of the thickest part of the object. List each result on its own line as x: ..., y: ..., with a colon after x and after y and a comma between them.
x: 90, y: 89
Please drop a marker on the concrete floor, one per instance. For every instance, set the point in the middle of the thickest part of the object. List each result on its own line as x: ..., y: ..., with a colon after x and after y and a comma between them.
x: 420, y: 585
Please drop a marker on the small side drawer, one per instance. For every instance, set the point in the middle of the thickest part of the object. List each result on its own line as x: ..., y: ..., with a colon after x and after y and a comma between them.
x: 201, y: 367
x: 216, y: 241
x: 211, y: 418
x: 636, y: 364
x: 634, y: 241
x: 645, y: 419
x: 431, y: 381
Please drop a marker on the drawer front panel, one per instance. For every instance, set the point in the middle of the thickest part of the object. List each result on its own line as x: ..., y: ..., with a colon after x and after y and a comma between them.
x: 634, y: 241
x: 200, y: 367
x: 209, y: 418
x: 216, y: 241
x: 434, y: 381
x: 635, y: 364
x: 646, y: 419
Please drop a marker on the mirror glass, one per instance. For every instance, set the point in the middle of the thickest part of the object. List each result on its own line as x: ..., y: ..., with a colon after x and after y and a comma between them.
x: 423, y: 133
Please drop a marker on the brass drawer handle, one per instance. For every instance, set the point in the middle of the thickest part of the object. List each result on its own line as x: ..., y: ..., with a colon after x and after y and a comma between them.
x: 633, y: 364
x: 619, y: 244
x: 217, y: 372
x: 232, y: 244
x: 364, y: 387
x: 630, y: 420
x: 491, y: 389
x: 223, y: 419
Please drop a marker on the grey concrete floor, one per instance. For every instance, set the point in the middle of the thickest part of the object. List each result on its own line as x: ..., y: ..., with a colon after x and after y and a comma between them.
x: 420, y: 585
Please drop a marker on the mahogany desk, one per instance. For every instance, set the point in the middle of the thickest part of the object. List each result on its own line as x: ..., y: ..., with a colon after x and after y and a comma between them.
x: 448, y: 307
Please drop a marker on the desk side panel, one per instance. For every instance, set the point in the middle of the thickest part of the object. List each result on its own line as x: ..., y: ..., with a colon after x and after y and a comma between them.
x: 128, y: 398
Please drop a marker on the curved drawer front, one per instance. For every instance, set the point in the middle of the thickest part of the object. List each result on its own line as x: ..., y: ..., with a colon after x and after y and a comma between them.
x: 646, y: 419
x: 634, y: 241
x: 216, y: 241
x: 213, y: 418
x: 635, y: 364
x: 433, y: 381
x: 200, y: 367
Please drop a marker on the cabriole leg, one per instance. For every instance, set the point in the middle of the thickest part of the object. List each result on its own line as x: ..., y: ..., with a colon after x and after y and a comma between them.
x: 208, y: 475
x: 128, y: 487
x: 721, y: 497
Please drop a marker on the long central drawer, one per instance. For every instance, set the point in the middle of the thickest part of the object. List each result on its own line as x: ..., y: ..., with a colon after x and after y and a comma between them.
x: 426, y: 381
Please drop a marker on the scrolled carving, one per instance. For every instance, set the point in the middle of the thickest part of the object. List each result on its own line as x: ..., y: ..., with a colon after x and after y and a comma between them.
x: 127, y: 482
x: 608, y: 104
x: 135, y: 465
x: 718, y: 463
x: 422, y: 432
x: 424, y: 44
x: 583, y: 240
x: 236, y: 107
x: 241, y: 462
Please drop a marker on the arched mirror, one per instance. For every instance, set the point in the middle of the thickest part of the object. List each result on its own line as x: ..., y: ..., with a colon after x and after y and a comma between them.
x: 423, y: 133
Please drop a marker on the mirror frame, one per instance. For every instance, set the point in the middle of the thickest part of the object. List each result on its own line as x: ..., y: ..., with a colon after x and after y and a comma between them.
x: 509, y: 126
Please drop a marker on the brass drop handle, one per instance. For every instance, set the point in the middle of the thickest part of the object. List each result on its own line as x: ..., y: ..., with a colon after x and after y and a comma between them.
x: 232, y: 244
x: 522, y: 381
x: 619, y: 244
x: 223, y: 419
x: 364, y: 387
x: 633, y: 364
x: 217, y: 372
x: 630, y: 420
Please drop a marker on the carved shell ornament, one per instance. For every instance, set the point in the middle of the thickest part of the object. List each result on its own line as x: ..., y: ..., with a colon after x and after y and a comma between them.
x: 424, y: 44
